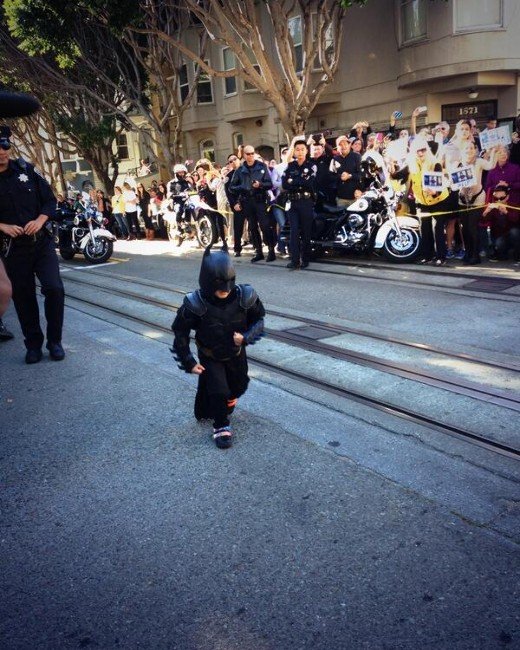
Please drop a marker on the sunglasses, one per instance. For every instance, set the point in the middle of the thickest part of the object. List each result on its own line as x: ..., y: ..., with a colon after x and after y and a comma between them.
x: 5, y: 145
x: 232, y: 160
x: 249, y: 153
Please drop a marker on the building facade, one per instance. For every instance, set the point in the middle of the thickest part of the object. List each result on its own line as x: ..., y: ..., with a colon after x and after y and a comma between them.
x: 460, y: 58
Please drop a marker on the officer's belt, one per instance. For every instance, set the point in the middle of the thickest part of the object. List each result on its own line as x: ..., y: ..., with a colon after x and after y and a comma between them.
x: 296, y: 196
x: 208, y: 353
x: 28, y: 240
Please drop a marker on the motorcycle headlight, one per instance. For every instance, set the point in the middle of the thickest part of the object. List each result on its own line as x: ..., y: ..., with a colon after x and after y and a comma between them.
x: 99, y: 217
x: 76, y: 221
x: 355, y: 221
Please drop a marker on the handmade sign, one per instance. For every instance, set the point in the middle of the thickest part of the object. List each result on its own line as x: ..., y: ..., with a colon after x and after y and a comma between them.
x: 493, y: 137
x: 433, y: 181
x: 462, y: 177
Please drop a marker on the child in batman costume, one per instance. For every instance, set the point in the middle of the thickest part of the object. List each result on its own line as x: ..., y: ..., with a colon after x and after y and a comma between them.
x: 225, y: 317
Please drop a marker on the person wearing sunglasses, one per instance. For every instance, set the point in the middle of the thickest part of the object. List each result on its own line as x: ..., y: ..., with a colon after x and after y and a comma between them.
x: 26, y: 204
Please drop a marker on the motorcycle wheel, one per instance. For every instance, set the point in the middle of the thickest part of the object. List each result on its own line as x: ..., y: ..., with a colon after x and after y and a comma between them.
x: 100, y: 252
x: 66, y: 254
x: 402, y: 249
x: 206, y: 231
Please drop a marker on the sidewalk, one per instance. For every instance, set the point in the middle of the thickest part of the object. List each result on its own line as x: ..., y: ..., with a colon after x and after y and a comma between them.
x: 123, y: 525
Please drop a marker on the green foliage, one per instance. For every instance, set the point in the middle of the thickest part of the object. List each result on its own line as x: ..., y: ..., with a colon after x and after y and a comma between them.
x: 89, y: 136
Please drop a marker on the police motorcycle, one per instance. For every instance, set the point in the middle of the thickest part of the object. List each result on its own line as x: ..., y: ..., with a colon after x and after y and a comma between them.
x: 81, y: 231
x: 369, y: 224
x: 196, y: 219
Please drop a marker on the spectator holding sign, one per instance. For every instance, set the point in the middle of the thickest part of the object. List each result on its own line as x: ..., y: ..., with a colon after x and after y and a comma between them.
x: 431, y: 199
x: 472, y: 199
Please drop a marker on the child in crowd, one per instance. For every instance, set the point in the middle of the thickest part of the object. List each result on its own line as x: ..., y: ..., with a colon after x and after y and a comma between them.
x: 225, y: 317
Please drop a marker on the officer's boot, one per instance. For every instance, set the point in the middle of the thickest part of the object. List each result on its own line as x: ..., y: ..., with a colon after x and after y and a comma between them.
x: 271, y: 256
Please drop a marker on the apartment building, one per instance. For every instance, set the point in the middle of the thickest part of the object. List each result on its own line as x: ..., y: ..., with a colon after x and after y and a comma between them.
x: 460, y: 58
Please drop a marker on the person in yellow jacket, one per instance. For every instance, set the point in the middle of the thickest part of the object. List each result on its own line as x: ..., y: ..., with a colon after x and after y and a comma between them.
x: 118, y: 210
x: 430, y: 201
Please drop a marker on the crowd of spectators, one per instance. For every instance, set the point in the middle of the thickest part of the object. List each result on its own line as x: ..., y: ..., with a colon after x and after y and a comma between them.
x: 470, y: 212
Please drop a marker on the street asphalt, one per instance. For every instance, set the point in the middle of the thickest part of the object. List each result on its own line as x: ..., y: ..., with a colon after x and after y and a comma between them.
x: 123, y: 526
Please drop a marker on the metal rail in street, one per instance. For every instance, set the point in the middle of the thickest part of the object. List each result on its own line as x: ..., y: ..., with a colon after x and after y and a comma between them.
x: 381, y: 405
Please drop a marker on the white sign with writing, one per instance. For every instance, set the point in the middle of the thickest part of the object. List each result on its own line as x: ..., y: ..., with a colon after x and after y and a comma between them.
x: 493, y: 137
x: 462, y: 177
x: 433, y: 181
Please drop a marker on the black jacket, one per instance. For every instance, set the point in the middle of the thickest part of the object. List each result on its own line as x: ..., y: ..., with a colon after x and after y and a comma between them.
x: 241, y: 184
x: 300, y: 178
x: 352, y: 165
x: 214, y: 322
x: 24, y: 195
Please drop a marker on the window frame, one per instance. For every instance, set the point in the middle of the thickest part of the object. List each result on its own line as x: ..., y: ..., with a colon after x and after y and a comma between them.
x: 314, y: 25
x: 298, y: 17
x: 477, y: 28
x: 120, y: 146
x: 402, y: 4
x: 210, y: 82
x: 203, y: 148
x: 226, y: 79
x: 185, y: 85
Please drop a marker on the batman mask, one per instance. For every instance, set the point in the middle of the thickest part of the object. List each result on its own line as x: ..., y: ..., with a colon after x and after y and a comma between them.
x: 217, y: 273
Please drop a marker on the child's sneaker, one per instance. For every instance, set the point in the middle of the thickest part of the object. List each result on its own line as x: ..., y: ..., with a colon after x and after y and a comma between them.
x: 223, y: 437
x: 460, y: 254
x: 450, y: 254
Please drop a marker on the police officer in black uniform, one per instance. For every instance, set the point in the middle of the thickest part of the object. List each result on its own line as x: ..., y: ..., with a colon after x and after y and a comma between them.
x: 299, y: 180
x: 250, y: 184
x: 26, y: 204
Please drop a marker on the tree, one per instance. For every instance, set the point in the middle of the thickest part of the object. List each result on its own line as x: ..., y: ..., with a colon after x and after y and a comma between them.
x: 81, y: 105
x: 140, y: 66
x: 284, y: 78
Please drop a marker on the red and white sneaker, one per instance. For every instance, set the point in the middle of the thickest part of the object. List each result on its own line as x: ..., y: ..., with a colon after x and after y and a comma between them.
x: 223, y: 437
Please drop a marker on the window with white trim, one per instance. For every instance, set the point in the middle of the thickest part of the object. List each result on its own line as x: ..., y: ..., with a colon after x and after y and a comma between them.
x: 295, y: 30
x: 122, y: 146
x: 238, y: 140
x: 228, y: 63
x: 184, y: 84
x: 247, y: 86
x: 204, y: 87
x: 329, y: 42
x: 473, y: 15
x: 413, y: 20
x: 207, y: 150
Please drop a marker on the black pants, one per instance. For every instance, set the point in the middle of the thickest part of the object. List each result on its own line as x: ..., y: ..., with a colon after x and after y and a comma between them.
x: 433, y: 236
x: 133, y: 222
x: 257, y: 216
x: 507, y: 241
x: 469, y: 220
x: 239, y: 219
x: 301, y: 215
x: 220, y: 381
x: 22, y: 264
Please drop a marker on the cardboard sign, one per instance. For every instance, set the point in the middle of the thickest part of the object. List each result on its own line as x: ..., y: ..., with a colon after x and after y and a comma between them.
x: 494, y: 137
x: 462, y: 177
x: 433, y: 181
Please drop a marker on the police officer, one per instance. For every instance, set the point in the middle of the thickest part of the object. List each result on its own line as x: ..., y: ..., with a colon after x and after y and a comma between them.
x: 299, y: 180
x: 26, y: 204
x: 250, y: 184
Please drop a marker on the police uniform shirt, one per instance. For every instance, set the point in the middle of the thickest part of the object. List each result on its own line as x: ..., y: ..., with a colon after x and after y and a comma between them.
x: 24, y: 195
x: 300, y: 178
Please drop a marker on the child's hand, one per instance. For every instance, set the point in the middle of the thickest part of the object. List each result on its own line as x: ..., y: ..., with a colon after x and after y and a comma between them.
x: 238, y: 338
x: 198, y: 369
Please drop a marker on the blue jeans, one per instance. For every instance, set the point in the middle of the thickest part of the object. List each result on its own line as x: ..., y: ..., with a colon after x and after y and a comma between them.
x: 279, y: 215
x: 123, y: 224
